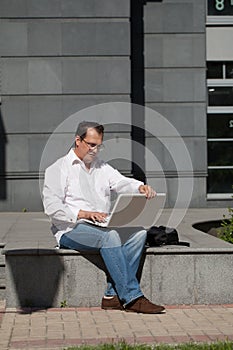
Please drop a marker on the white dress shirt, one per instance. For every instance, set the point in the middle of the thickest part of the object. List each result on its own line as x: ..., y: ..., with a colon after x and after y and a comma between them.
x: 70, y: 187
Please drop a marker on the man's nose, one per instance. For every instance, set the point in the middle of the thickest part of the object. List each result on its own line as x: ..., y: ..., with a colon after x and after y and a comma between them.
x: 94, y: 150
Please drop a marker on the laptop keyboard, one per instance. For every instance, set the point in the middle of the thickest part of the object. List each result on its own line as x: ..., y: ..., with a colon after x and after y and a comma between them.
x: 97, y: 223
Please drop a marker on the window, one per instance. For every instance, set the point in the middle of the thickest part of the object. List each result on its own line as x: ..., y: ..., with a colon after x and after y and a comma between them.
x: 220, y: 7
x: 220, y: 70
x: 220, y: 125
x: 220, y: 96
x: 220, y: 129
x: 229, y: 70
x: 214, y: 70
x: 219, y: 183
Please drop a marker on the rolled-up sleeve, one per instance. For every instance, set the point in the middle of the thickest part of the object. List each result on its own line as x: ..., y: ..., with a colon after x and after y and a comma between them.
x: 120, y: 183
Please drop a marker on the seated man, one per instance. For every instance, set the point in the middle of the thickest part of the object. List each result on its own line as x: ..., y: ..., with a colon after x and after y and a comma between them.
x: 77, y: 186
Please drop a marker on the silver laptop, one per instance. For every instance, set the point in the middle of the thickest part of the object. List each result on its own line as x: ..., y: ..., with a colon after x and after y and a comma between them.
x: 134, y: 210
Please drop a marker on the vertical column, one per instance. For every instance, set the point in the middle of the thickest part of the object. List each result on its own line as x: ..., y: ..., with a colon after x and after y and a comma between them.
x: 137, y: 89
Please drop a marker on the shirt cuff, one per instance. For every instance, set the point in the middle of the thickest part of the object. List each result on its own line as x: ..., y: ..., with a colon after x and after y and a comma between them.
x: 73, y: 216
x: 138, y: 184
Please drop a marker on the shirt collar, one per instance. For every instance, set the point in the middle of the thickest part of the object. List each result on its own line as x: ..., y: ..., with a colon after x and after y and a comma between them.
x: 73, y: 158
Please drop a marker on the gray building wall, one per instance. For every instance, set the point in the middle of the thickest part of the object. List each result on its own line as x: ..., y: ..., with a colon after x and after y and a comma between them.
x: 57, y: 57
x: 175, y: 86
x: 60, y: 56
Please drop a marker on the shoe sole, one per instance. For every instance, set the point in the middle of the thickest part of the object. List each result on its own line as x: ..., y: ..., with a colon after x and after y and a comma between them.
x: 112, y: 308
x: 148, y: 313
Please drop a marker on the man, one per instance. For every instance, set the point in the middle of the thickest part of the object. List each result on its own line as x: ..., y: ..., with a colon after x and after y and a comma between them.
x: 78, y: 186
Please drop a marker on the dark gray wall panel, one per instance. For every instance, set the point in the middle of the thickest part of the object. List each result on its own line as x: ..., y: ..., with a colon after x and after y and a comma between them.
x: 44, y: 8
x: 14, y: 111
x: 172, y: 16
x: 171, y: 185
x: 62, y: 38
x: 17, y: 152
x: 44, y: 38
x: 95, y: 8
x: 72, y: 104
x: 13, y: 8
x: 175, y: 85
x: 174, y: 50
x: 173, y: 158
x: 10, y: 46
x: 187, y: 118
x: 25, y: 150
x: 96, y: 38
x: 96, y: 75
x: 64, y: 8
x: 44, y: 76
x: 14, y: 76
x: 43, y: 114
x: 22, y: 194
x: 30, y: 76
x: 73, y: 75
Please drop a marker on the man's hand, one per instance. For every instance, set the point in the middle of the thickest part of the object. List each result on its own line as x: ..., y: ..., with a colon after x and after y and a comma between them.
x: 148, y: 190
x: 92, y: 215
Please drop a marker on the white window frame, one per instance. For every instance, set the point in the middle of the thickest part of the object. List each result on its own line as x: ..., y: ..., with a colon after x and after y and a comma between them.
x: 219, y: 20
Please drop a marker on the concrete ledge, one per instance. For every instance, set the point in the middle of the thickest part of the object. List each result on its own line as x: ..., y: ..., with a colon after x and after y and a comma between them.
x: 39, y: 275
x: 46, y: 277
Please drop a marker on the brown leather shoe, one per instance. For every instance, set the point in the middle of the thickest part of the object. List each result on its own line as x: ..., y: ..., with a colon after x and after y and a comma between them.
x: 111, y: 304
x: 144, y: 306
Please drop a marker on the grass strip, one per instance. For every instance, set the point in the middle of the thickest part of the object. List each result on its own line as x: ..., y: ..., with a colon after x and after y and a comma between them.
x: 186, y: 346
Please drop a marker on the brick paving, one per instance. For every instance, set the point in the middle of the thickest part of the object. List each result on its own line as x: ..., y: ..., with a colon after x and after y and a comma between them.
x: 59, y: 328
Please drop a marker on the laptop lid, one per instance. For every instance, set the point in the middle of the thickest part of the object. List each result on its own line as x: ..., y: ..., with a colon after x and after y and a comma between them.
x: 135, y: 210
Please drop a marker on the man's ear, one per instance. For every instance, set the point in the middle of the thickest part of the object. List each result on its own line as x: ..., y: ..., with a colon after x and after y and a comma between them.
x: 77, y: 141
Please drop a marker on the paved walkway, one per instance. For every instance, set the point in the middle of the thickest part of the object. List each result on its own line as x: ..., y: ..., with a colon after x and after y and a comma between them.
x: 56, y: 329
x: 60, y: 328
x: 17, y: 227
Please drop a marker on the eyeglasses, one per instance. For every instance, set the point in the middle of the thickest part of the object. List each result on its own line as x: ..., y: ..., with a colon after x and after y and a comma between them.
x: 93, y: 146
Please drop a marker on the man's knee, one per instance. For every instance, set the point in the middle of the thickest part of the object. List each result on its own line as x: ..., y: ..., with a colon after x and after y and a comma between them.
x: 141, y: 234
x: 111, y: 239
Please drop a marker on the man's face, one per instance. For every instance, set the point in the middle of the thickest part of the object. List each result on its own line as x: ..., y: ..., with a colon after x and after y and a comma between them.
x: 87, y: 148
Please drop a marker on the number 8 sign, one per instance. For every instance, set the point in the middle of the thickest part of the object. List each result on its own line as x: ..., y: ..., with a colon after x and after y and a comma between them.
x: 219, y: 5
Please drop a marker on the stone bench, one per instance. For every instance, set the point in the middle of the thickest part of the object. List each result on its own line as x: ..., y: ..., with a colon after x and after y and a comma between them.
x: 39, y: 275
x: 170, y: 275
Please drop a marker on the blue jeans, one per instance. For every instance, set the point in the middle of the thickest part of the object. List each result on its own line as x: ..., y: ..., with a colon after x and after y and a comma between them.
x: 121, y: 260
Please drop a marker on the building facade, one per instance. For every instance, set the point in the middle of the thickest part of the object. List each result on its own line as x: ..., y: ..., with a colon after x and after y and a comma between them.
x: 61, y: 56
